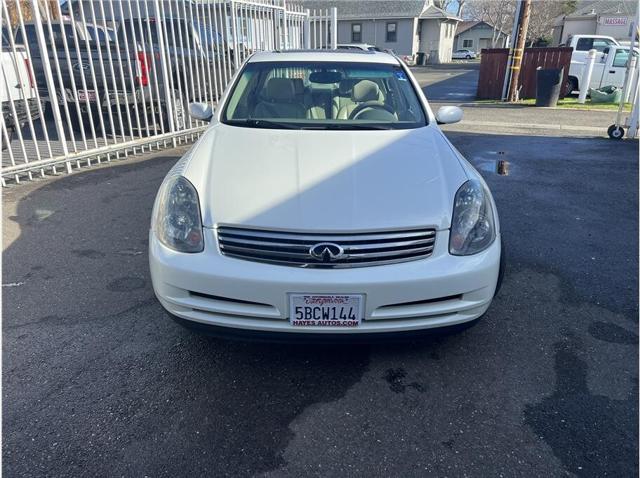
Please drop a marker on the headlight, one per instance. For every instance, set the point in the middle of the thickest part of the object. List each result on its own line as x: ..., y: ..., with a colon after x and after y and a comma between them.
x: 177, y: 220
x: 472, y: 226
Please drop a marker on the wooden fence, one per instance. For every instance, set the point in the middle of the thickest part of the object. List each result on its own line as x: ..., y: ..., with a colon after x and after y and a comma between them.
x: 494, y: 63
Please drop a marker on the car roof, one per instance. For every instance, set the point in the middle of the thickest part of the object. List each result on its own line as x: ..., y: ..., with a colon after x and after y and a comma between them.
x: 352, y: 56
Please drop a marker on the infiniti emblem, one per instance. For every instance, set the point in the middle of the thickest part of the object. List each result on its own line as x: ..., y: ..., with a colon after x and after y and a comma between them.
x: 326, y: 251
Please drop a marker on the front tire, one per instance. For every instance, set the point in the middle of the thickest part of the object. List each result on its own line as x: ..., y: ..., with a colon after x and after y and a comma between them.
x: 570, y: 86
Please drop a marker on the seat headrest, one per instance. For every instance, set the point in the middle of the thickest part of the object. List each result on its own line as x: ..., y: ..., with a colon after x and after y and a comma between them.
x: 280, y: 89
x: 298, y: 86
x: 365, y: 90
x: 346, y: 86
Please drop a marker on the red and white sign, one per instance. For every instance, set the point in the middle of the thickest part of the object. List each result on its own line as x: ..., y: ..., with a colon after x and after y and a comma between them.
x: 614, y: 21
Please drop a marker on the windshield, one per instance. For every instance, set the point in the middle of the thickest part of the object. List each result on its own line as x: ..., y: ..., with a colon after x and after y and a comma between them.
x: 324, y: 95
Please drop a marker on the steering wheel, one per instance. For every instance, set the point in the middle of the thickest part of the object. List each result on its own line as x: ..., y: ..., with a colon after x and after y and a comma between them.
x: 370, y: 104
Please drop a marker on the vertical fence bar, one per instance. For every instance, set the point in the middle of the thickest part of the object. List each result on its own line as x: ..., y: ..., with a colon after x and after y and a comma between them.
x: 43, y: 123
x: 5, y: 135
x: 230, y: 50
x: 42, y: 44
x: 164, y: 64
x: 129, y: 58
x: 16, y: 125
x: 120, y: 68
x: 334, y: 28
x: 58, y: 72
x: 234, y: 32
x: 23, y: 93
x: 176, y: 74
x: 141, y: 56
x: 200, y: 57
x: 215, y: 34
x: 193, y: 55
x: 74, y: 89
x: 221, y: 41
x: 94, y: 80
x: 204, y: 42
x: 83, y: 80
x: 307, y: 29
x: 105, y: 83
x: 154, y: 69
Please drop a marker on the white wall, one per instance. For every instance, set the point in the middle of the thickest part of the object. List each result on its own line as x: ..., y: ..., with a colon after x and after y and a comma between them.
x: 436, y: 40
x: 594, y: 25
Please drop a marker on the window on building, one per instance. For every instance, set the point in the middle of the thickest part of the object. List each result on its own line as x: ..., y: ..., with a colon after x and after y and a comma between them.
x: 356, y: 32
x: 391, y: 32
x: 467, y: 43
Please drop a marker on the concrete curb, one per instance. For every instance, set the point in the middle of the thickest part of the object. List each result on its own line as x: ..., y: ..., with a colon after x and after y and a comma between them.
x: 563, y: 127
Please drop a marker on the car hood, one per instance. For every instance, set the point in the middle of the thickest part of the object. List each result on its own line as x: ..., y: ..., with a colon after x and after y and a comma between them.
x: 325, y: 180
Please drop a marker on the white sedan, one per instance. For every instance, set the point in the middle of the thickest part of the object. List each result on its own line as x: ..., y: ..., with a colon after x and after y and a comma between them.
x: 324, y: 202
x: 463, y: 55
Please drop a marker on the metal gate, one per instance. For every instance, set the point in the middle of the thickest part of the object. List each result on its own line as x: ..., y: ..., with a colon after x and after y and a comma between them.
x: 97, y: 80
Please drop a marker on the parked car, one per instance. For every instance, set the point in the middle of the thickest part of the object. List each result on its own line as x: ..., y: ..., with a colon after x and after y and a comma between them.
x: 409, y: 59
x: 126, y: 73
x: 357, y: 46
x: 324, y: 202
x: 18, y: 91
x: 463, y: 54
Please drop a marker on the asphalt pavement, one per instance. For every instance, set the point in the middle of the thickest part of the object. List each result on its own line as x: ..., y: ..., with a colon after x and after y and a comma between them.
x: 99, y: 382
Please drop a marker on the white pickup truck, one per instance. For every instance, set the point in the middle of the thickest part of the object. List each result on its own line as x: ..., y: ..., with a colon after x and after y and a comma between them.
x: 18, y: 90
x: 610, y: 65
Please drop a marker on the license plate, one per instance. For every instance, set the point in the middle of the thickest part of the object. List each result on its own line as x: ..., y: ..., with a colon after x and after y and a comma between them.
x: 306, y: 310
x: 84, y: 95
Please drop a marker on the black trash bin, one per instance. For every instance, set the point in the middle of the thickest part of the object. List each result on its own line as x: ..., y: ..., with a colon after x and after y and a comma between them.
x: 548, y: 85
x: 420, y: 58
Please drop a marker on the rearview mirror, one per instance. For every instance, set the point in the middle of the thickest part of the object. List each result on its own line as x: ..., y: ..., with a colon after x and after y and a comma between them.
x: 448, y: 115
x: 325, y: 77
x: 200, y: 111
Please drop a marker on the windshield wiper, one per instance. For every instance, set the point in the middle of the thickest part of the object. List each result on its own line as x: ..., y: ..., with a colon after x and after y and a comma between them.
x: 349, y: 126
x: 261, y: 123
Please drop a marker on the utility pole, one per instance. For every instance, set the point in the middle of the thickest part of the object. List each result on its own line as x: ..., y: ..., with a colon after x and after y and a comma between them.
x: 512, y: 44
x: 518, y: 52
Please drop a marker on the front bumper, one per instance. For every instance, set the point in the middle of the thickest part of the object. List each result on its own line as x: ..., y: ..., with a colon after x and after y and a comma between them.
x: 212, y: 289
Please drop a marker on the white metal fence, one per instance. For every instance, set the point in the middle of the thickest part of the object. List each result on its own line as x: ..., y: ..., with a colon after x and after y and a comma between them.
x: 96, y: 80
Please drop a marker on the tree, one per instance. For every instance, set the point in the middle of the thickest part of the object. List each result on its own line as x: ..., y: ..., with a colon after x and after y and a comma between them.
x: 497, y: 13
x: 450, y: 5
x: 543, y: 16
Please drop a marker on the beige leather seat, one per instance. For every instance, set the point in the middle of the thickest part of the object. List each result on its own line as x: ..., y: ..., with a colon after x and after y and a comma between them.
x: 362, y: 92
x: 279, y: 100
x: 343, y: 98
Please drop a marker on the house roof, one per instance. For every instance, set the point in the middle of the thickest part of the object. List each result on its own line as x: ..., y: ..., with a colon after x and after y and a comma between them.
x: 434, y: 12
x: 605, y: 7
x: 468, y: 25
x: 354, y: 9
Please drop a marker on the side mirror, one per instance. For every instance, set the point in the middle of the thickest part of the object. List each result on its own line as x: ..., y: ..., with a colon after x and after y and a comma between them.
x: 200, y: 111
x: 448, y: 114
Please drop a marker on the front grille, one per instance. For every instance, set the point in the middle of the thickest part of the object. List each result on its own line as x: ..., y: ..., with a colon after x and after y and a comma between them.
x: 354, y: 249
